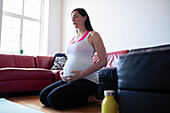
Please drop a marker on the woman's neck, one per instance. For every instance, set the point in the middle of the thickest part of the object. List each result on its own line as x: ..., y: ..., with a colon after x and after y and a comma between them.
x: 82, y: 31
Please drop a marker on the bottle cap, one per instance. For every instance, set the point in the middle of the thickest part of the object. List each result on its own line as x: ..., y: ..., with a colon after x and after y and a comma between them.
x: 109, y: 92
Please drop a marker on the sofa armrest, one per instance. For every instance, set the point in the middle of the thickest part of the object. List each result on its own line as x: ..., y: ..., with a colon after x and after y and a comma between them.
x: 108, y: 74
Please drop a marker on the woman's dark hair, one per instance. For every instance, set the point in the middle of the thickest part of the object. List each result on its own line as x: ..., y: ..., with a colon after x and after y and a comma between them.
x: 83, y: 13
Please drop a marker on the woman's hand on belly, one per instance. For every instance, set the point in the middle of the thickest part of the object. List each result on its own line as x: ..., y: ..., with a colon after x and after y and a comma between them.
x: 75, y: 76
x: 63, y: 77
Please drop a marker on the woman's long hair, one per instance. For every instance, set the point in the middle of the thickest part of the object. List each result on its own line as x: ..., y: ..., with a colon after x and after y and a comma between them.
x: 83, y: 13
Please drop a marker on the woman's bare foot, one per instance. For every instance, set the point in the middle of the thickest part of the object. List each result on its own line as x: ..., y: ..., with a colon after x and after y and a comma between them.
x: 92, y: 99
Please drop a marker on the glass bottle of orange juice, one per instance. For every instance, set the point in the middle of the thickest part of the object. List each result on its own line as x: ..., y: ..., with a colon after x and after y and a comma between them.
x: 109, y: 103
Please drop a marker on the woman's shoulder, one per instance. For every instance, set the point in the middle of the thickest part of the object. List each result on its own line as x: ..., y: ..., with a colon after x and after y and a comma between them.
x: 94, y: 34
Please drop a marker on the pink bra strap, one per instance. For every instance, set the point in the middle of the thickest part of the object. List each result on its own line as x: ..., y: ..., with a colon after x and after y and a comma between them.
x: 84, y: 36
x: 81, y: 38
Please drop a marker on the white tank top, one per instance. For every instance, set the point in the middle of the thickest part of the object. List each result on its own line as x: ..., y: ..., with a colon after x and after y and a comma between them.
x: 80, y: 57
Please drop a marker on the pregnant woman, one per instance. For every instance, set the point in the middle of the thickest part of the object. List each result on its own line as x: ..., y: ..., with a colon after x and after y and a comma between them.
x: 80, y: 79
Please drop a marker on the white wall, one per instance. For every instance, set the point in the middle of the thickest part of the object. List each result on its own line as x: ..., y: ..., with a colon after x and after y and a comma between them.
x: 55, y: 27
x: 123, y: 24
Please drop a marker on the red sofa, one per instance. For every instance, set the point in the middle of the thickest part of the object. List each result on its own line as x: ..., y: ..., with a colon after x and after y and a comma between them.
x: 20, y: 73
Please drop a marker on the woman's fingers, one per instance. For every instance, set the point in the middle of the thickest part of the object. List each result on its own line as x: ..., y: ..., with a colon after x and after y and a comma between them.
x: 63, y: 78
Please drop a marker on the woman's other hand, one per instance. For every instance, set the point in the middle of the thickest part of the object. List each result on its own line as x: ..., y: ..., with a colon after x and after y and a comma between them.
x: 75, y: 76
x: 63, y: 77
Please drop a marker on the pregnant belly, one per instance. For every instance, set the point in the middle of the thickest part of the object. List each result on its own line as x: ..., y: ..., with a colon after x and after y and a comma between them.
x: 77, y: 66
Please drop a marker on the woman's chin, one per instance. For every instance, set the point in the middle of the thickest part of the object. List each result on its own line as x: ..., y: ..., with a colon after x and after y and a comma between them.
x: 76, y: 27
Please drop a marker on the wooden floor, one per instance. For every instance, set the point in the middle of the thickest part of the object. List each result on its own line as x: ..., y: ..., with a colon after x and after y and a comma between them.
x: 33, y: 102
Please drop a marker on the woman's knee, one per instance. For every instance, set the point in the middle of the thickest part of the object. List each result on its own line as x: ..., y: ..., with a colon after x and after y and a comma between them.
x: 56, y: 101
x: 43, y: 98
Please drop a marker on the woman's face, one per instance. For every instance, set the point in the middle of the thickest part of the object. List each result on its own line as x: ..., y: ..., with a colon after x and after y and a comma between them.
x: 78, y: 20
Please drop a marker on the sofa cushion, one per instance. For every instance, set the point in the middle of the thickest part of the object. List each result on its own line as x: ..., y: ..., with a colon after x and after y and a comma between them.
x: 23, y: 85
x: 22, y: 61
x: 112, y: 58
x: 44, y: 61
x: 6, y: 60
x: 145, y: 71
x: 10, y: 74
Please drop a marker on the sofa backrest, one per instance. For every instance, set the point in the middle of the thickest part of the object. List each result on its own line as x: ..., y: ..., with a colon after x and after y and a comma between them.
x: 44, y: 61
x: 112, y: 58
x: 23, y: 61
x: 20, y: 61
x: 6, y: 60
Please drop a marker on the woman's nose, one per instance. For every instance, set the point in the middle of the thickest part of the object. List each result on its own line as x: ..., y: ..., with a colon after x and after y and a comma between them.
x: 73, y: 19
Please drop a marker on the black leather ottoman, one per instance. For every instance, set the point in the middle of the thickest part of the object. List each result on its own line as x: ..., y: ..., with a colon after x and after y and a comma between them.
x: 107, y: 81
x: 144, y: 80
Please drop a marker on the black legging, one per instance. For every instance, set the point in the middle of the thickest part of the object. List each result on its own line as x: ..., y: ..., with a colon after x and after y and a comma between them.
x: 62, y: 95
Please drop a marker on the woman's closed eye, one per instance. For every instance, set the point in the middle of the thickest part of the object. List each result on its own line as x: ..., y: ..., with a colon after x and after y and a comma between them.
x: 74, y: 16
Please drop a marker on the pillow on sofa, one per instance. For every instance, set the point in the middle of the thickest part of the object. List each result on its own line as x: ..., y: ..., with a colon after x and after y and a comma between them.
x: 59, y: 61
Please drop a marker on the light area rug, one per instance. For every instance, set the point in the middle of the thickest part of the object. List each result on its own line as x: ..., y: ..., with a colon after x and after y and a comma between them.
x: 7, y: 106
